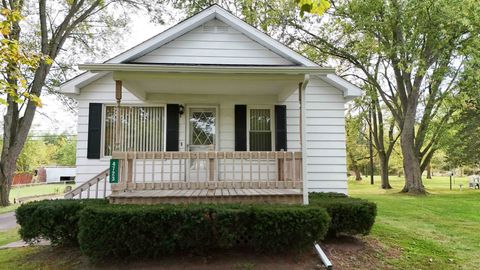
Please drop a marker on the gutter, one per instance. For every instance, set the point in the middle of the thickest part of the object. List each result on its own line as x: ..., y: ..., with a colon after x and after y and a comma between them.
x: 303, y: 138
x: 293, y: 70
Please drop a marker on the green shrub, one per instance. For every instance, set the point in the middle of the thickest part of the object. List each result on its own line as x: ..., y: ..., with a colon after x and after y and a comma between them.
x: 348, y: 215
x: 54, y: 220
x: 150, y: 231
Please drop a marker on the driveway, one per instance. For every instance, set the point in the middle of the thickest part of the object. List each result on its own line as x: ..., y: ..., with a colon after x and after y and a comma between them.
x: 7, y: 221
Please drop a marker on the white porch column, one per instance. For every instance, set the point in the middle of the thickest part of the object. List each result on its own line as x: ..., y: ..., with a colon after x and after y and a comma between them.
x: 301, y: 96
x: 118, y: 97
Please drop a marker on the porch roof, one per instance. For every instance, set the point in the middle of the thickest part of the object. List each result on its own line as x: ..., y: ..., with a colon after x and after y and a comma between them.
x: 146, y: 81
x: 215, y: 69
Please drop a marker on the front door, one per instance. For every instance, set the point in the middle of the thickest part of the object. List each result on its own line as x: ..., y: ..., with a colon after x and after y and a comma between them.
x: 201, y: 138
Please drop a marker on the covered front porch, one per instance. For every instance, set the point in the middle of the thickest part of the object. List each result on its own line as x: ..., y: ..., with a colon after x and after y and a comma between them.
x: 183, y: 177
x: 221, y: 135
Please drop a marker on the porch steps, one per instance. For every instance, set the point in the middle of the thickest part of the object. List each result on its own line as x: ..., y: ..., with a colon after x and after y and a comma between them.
x: 219, y: 195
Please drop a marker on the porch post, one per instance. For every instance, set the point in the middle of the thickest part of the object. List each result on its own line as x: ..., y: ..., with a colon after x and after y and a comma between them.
x: 301, y: 96
x: 118, y: 97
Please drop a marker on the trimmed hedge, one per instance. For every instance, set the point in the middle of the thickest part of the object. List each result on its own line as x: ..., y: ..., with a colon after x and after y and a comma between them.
x: 349, y: 216
x: 151, y: 231
x: 55, y: 220
x: 103, y: 230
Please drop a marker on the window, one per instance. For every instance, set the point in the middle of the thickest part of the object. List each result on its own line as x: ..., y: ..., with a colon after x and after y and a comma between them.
x: 141, y: 129
x: 260, y: 130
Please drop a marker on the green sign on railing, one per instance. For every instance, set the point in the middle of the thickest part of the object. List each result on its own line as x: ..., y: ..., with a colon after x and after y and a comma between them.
x: 113, y: 171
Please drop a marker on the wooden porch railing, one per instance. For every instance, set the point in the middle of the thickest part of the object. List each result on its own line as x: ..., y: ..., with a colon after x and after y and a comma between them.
x: 193, y: 170
x: 88, y: 186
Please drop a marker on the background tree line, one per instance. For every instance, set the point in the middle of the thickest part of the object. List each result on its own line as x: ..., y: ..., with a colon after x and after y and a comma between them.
x: 45, y: 150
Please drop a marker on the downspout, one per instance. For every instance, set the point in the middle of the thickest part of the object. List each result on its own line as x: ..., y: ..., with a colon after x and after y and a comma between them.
x: 301, y: 95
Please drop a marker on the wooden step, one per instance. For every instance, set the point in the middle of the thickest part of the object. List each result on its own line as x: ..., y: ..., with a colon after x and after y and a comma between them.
x: 227, y: 195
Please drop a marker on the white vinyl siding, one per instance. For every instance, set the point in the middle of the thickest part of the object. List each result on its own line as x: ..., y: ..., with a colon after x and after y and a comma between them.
x: 213, y: 43
x: 325, y: 138
x: 141, y: 129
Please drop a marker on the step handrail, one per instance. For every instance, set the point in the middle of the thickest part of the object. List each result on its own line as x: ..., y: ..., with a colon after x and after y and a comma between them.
x: 86, y: 186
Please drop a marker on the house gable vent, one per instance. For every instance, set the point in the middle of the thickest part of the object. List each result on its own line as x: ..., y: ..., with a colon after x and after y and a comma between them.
x: 215, y: 28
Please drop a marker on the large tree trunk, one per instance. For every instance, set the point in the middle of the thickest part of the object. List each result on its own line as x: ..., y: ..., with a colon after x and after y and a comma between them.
x: 384, y: 171
x: 411, y: 163
x: 6, y: 176
x: 358, y: 174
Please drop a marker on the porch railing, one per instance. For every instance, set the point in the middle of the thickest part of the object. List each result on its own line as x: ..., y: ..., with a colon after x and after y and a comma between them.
x: 197, y: 170
x: 93, y: 185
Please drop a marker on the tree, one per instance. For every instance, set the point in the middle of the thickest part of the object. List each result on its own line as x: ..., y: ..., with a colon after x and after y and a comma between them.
x: 357, y: 145
x: 35, y: 153
x: 53, y: 25
x: 464, y: 142
x: 420, y: 49
x: 385, y: 137
x: 65, y: 150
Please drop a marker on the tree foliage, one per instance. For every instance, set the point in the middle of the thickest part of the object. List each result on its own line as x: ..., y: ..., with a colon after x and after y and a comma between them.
x: 44, y: 150
x: 15, y: 59
x: 313, y: 6
x: 357, y: 144
x: 35, y: 59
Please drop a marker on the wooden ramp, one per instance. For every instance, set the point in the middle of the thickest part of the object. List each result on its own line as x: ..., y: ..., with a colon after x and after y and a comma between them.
x: 228, y: 195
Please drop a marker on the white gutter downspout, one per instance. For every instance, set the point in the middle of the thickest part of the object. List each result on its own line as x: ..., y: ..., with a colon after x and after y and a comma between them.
x: 303, y: 140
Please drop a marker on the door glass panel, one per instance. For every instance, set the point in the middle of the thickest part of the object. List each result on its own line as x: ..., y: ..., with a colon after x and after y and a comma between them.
x: 202, y: 125
x: 202, y: 138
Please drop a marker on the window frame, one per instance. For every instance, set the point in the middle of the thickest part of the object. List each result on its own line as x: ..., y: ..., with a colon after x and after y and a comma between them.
x: 104, y: 115
x: 272, y: 124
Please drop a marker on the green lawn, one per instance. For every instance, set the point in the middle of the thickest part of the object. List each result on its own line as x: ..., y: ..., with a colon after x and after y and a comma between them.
x: 18, y: 192
x: 9, y: 208
x: 438, y: 231
x: 26, y: 191
x: 9, y: 236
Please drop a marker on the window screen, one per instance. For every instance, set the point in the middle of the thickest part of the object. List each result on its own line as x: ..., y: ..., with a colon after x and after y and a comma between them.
x: 141, y: 129
x: 260, y: 134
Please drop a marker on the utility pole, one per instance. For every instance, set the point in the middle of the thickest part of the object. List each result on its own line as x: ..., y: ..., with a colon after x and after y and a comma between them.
x: 370, y: 145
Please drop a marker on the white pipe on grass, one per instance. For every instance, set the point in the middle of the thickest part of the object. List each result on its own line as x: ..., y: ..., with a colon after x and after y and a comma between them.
x: 323, y: 257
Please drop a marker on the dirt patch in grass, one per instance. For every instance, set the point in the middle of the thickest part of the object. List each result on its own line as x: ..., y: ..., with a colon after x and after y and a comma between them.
x: 358, y: 253
x: 71, y: 258
x: 345, y: 253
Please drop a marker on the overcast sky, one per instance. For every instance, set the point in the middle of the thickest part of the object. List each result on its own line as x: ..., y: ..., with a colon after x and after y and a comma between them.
x: 54, y: 117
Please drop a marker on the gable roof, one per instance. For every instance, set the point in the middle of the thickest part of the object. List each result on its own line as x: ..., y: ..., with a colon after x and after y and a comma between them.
x: 73, y: 85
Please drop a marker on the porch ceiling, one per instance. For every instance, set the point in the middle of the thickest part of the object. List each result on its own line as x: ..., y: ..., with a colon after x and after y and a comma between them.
x: 143, y: 84
x: 144, y: 80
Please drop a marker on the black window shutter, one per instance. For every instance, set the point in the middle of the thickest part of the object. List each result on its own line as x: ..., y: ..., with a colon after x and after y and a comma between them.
x: 94, y: 130
x: 280, y: 127
x: 240, y: 127
x: 172, y: 127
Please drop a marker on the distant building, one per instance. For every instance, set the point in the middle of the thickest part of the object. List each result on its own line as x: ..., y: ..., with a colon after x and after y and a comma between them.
x: 60, y: 174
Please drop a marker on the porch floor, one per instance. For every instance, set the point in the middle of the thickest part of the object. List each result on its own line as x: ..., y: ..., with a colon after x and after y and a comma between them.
x: 230, y: 195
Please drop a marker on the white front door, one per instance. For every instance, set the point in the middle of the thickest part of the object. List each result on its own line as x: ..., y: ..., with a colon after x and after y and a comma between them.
x: 202, y: 123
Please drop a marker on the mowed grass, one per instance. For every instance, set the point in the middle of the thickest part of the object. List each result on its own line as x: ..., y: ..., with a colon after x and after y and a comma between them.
x: 26, y: 191
x: 9, y: 236
x: 440, y: 230
x: 35, y: 190
x: 33, y: 258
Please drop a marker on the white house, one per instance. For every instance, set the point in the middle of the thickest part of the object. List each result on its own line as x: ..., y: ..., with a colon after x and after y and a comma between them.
x: 209, y: 107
